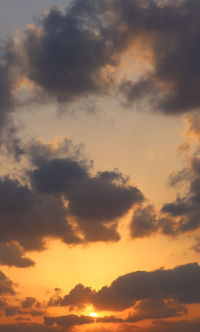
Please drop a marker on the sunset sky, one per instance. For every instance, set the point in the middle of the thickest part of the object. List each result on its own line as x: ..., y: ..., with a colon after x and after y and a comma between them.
x: 99, y: 165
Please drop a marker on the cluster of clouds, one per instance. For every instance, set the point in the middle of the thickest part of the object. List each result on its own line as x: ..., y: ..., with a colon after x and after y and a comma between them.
x: 27, y: 307
x: 165, y: 326
x: 153, y: 295
x: 60, y: 197
x: 73, y: 54
x: 181, y: 216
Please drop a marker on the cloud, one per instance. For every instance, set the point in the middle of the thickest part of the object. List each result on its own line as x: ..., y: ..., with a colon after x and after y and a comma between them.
x: 73, y: 49
x: 12, y: 254
x: 6, y: 285
x: 183, y: 215
x: 27, y: 307
x: 144, y: 222
x: 136, y: 91
x: 12, y: 311
x: 182, y: 325
x: 77, y: 53
x: 180, y: 216
x: 156, y: 326
x: 36, y: 313
x: 196, y: 246
x: 79, y: 296
x: 180, y: 284
x: 173, y: 34
x: 8, y: 78
x: 28, y: 302
x: 28, y: 218
x: 179, y: 177
x: 193, y: 125
x: 146, y: 309
x: 57, y: 196
x: 20, y: 327
x: 156, y: 309
x: 95, y: 201
x: 68, y: 320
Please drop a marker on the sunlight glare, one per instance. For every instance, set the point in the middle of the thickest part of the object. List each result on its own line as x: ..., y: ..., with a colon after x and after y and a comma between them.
x: 93, y: 314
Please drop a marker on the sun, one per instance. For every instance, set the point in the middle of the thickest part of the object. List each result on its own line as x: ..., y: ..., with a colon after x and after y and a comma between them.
x: 93, y: 314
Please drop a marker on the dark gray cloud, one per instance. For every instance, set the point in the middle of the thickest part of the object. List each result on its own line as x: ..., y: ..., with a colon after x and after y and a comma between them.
x: 182, y: 176
x: 144, y: 222
x: 68, y: 320
x: 28, y: 218
x: 172, y: 30
x: 72, y: 49
x: 184, y: 325
x: 183, y: 214
x: 156, y: 326
x: 24, y: 327
x: 146, y: 309
x: 79, y: 297
x: 11, y: 311
x: 97, y: 202
x: 57, y: 175
x: 28, y: 302
x: 193, y: 125
x: 6, y: 285
x: 68, y: 55
x: 36, y: 313
x: 23, y: 310
x: 12, y: 254
x: 180, y: 284
x: 8, y: 77
x: 61, y: 199
x: 196, y: 246
x: 156, y: 309
x: 176, y: 326
x: 3, y: 303
x: 177, y: 217
x: 134, y: 92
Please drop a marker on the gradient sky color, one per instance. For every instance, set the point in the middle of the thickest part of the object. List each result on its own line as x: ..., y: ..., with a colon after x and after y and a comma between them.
x: 99, y: 166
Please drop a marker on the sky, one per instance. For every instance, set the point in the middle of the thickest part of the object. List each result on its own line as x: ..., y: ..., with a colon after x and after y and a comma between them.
x: 99, y: 166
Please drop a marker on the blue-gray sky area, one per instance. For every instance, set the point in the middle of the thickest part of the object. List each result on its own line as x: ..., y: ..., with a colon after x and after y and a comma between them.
x: 16, y: 14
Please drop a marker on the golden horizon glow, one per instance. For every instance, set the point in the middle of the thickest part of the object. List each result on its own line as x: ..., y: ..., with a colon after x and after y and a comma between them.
x: 93, y: 315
